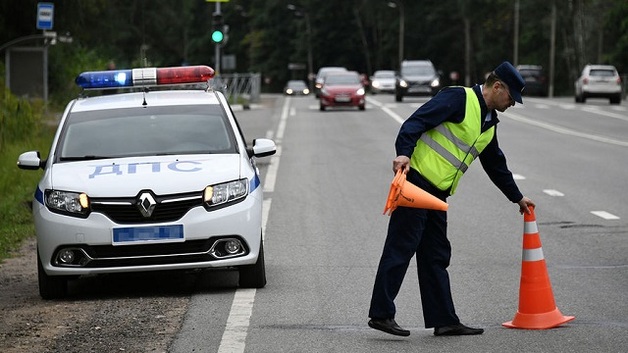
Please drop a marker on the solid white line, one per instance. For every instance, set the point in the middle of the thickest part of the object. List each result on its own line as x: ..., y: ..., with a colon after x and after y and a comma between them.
x: 605, y: 215
x: 284, y: 117
x: 271, y: 173
x: 565, y: 131
x: 386, y: 110
x: 234, y: 337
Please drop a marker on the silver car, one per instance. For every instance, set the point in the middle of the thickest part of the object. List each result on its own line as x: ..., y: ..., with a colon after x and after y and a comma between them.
x: 598, y: 81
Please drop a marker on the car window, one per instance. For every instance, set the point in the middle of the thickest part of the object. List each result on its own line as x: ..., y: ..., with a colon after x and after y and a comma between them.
x: 418, y: 70
x: 385, y: 74
x: 297, y: 84
x: 602, y: 73
x: 144, y: 132
x: 342, y: 80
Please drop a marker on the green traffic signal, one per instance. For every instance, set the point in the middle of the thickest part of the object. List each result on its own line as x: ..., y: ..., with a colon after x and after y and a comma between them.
x: 217, y: 36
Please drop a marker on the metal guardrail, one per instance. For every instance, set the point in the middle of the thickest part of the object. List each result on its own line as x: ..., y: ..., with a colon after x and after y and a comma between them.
x: 238, y: 87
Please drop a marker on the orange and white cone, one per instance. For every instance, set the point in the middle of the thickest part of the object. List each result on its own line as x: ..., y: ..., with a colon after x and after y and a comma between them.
x: 409, y: 195
x: 537, y: 308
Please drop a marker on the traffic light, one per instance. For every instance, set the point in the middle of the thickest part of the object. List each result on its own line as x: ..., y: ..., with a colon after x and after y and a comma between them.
x: 218, y: 34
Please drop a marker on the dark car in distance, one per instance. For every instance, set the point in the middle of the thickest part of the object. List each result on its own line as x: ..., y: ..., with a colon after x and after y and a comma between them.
x: 417, y: 78
x: 296, y: 88
x: 535, y: 79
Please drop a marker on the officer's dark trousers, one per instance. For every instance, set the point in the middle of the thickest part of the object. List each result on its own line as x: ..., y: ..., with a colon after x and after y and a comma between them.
x: 424, y: 232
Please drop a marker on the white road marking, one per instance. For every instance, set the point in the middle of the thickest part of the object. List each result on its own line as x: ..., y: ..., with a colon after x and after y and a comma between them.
x: 552, y: 192
x: 565, y: 131
x: 605, y: 215
x: 234, y: 337
x: 518, y: 177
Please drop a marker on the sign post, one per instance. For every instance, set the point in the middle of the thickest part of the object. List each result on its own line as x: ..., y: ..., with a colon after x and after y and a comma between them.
x: 45, y: 15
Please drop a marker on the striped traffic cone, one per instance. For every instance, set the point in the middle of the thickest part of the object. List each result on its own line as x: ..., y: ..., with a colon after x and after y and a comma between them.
x: 537, y: 308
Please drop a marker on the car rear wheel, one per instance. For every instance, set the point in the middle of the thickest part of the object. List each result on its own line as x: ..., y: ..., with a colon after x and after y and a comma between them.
x: 50, y: 287
x: 254, y: 276
x: 616, y: 99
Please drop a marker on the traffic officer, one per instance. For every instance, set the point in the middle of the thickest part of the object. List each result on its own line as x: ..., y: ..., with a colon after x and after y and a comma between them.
x: 435, y: 146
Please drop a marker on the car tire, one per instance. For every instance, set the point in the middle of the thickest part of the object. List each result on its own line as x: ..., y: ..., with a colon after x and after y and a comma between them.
x: 50, y: 287
x: 254, y: 276
x: 321, y: 108
x: 615, y: 99
x: 362, y: 107
x: 398, y: 98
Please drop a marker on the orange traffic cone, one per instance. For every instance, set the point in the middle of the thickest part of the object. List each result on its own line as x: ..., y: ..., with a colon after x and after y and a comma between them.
x: 410, y: 195
x: 537, y: 308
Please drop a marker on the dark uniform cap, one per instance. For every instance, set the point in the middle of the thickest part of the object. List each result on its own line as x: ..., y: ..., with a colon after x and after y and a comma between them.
x: 512, y: 78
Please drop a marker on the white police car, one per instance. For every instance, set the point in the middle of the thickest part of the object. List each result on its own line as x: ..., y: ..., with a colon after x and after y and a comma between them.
x: 148, y: 180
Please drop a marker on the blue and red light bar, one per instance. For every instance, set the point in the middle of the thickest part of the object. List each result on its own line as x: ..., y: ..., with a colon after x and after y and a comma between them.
x: 144, y: 77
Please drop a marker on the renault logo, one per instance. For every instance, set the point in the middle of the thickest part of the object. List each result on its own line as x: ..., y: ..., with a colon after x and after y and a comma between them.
x: 146, y: 204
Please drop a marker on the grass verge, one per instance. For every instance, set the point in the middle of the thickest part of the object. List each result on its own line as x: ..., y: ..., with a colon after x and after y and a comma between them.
x: 17, y: 188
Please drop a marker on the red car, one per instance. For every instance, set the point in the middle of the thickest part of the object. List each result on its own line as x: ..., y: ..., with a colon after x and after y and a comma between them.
x: 342, y: 89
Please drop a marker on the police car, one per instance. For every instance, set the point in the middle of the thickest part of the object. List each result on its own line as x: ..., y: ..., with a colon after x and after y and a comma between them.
x: 148, y: 180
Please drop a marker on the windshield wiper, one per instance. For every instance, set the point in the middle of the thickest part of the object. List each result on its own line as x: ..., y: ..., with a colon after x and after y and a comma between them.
x: 84, y: 158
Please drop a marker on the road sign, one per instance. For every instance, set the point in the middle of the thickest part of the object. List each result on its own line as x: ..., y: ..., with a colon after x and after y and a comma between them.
x: 45, y: 15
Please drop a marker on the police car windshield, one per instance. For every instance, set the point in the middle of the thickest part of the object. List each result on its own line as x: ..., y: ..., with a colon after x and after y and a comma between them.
x: 145, y: 131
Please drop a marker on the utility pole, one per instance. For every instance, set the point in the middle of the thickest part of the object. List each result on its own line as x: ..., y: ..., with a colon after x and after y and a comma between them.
x: 515, y: 54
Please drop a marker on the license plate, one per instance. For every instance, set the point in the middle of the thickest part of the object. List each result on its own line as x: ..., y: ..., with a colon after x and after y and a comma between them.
x: 148, y: 234
x: 343, y: 99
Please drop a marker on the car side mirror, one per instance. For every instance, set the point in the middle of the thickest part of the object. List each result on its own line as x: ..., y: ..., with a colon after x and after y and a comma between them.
x: 30, y: 161
x: 262, y: 147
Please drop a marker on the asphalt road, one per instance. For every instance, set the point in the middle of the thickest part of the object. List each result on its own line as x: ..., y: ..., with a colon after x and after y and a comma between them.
x: 325, y: 192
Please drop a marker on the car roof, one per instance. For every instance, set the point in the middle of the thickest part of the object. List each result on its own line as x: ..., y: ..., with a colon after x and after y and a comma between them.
x: 326, y: 69
x: 152, y: 98
x: 601, y: 67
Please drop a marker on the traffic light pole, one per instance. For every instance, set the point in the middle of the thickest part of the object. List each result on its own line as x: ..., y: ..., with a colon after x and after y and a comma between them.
x: 217, y: 46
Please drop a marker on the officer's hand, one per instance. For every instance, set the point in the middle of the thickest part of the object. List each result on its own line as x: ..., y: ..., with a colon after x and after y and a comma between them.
x: 524, y: 203
x: 401, y: 162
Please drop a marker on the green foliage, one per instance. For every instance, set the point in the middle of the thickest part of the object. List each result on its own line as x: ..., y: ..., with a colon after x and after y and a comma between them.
x: 265, y: 35
x: 17, y: 188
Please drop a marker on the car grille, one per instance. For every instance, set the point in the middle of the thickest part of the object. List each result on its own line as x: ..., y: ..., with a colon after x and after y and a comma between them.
x: 168, y: 208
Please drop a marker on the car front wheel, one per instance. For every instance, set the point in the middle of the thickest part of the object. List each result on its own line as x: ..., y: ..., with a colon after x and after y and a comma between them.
x: 50, y: 287
x: 254, y: 276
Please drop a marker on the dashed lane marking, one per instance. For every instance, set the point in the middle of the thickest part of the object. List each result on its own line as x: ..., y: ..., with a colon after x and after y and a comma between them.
x: 605, y: 215
x: 552, y: 192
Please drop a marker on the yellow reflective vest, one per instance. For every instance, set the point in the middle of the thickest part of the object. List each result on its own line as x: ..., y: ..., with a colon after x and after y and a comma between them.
x: 444, y: 153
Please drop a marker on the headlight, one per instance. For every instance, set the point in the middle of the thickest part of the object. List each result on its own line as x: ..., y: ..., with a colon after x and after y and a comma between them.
x: 435, y: 83
x: 220, y: 194
x: 375, y: 84
x: 67, y: 202
x: 289, y: 91
x: 403, y: 83
x: 323, y: 92
x: 360, y: 92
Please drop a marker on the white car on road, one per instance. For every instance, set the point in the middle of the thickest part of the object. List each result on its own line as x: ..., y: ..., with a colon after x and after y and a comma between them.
x: 148, y: 180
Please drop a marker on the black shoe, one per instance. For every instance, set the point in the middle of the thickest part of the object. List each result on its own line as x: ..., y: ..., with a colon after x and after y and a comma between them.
x: 388, y: 326
x: 457, y: 330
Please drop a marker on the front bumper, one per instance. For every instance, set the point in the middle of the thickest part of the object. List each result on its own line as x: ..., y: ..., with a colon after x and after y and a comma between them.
x: 342, y: 101
x: 205, y: 235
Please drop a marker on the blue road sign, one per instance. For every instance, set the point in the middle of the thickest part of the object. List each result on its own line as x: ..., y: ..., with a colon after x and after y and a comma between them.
x: 45, y: 15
